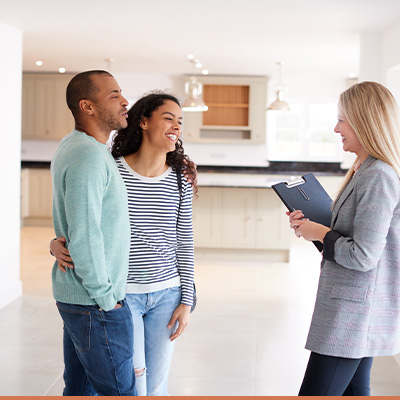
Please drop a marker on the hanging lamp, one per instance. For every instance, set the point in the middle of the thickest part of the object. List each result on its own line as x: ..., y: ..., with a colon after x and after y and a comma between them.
x: 194, y: 92
x: 279, y: 103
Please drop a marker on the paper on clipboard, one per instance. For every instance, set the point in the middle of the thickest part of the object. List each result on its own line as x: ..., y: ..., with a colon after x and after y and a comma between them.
x: 306, y: 194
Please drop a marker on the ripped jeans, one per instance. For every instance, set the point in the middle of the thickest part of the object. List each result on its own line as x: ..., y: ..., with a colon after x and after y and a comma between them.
x: 152, y: 347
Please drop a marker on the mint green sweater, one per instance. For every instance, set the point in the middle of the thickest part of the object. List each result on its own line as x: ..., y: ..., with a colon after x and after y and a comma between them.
x: 90, y: 208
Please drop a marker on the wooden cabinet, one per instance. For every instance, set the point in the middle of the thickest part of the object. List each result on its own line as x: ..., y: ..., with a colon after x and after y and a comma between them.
x: 240, y: 218
x: 45, y: 115
x: 36, y: 197
x: 236, y: 111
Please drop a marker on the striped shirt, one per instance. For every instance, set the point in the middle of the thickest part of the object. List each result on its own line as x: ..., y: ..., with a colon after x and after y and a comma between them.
x: 161, y: 249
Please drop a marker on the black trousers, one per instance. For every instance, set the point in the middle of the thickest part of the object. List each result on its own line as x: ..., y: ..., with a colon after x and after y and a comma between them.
x: 336, y: 376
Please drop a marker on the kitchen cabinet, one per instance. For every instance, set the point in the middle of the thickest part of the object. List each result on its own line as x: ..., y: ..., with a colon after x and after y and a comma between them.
x: 271, y: 224
x: 45, y: 115
x: 240, y: 218
x: 236, y: 111
x: 36, y: 196
x: 207, y: 218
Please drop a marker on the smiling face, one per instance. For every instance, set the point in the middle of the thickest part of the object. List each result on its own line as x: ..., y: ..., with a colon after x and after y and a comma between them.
x: 109, y: 104
x: 162, y: 130
x: 349, y: 138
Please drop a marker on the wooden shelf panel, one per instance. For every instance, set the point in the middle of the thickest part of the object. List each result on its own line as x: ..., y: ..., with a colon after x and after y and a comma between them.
x: 226, y: 94
x: 226, y: 116
x: 232, y: 105
x: 227, y: 105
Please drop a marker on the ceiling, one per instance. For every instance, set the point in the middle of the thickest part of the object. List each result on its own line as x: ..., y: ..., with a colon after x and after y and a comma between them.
x: 230, y: 37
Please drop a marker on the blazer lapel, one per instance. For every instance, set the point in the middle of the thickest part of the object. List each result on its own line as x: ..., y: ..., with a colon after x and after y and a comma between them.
x: 349, y: 188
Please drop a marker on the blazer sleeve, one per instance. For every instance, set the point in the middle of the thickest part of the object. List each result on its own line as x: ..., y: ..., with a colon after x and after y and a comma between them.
x: 377, y: 195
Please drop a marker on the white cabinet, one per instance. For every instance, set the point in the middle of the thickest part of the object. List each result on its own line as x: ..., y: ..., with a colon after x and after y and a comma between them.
x: 240, y: 218
x: 272, y: 224
x: 45, y: 115
x: 236, y: 111
x: 207, y: 218
x: 36, y: 197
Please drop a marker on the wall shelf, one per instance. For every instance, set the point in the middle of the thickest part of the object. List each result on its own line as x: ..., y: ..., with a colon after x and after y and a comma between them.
x: 236, y: 111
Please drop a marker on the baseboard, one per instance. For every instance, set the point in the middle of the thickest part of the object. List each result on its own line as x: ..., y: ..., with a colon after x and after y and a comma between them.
x: 32, y: 221
x: 9, y: 294
x: 242, y: 255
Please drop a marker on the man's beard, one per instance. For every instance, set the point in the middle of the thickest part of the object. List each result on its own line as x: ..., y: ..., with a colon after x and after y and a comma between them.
x: 112, y: 121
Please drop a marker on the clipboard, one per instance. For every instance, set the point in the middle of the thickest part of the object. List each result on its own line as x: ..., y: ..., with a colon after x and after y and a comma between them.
x: 306, y: 194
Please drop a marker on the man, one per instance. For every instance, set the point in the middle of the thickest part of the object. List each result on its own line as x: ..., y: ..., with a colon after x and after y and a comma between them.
x: 90, y: 209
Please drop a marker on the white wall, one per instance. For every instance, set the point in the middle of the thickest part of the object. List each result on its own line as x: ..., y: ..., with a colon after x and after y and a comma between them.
x: 10, y: 162
x: 391, y: 58
x: 135, y: 85
x: 371, y: 65
x: 390, y: 46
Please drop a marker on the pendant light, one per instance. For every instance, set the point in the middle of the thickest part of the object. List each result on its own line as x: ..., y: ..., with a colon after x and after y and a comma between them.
x: 279, y: 103
x: 194, y: 90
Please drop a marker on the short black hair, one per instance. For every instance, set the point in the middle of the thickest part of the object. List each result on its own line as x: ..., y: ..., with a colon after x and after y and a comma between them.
x: 81, y: 86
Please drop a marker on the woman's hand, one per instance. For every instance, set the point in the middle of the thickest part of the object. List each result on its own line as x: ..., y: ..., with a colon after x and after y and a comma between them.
x: 61, y: 253
x: 295, y: 215
x: 181, y: 314
x: 309, y: 230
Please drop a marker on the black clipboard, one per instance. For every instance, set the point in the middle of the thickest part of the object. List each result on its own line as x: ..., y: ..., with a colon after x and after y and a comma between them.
x: 306, y: 194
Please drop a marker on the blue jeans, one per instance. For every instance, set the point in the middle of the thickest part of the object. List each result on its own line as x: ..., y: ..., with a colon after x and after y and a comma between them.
x: 97, y: 351
x: 153, y: 348
x: 336, y: 376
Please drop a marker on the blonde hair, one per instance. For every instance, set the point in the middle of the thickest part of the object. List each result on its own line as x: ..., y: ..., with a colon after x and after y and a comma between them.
x: 373, y: 113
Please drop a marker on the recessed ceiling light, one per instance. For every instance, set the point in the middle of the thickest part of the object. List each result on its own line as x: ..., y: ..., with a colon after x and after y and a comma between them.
x: 352, y: 75
x: 39, y: 63
x: 205, y: 72
x: 190, y: 56
x: 61, y: 70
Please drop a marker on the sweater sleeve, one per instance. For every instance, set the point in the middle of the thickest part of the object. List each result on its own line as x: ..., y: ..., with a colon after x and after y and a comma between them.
x: 185, y: 247
x: 85, y: 184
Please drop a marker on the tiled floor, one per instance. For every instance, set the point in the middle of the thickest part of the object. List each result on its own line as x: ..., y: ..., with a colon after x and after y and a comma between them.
x: 246, y: 336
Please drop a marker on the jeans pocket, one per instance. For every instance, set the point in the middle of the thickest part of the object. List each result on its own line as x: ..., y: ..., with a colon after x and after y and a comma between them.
x: 78, y: 324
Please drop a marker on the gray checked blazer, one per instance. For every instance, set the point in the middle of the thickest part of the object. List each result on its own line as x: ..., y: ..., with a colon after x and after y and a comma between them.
x: 357, y: 310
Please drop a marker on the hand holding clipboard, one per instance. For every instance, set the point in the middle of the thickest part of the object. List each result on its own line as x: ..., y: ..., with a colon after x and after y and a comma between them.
x: 306, y: 194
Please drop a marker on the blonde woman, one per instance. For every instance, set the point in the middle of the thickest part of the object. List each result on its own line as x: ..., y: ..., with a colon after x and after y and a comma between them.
x: 357, y: 310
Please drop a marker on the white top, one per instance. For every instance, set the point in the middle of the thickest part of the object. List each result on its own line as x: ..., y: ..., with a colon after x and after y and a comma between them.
x: 161, y: 251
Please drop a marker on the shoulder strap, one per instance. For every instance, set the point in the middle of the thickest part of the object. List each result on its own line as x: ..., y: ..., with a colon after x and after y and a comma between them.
x: 179, y: 180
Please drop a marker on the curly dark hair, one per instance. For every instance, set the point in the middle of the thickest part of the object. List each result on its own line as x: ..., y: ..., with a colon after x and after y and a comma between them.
x: 128, y: 140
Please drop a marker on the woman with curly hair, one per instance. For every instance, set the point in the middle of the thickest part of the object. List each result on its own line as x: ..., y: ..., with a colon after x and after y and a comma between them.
x: 150, y: 158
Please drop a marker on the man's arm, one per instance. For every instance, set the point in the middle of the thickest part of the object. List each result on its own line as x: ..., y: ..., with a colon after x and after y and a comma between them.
x: 85, y: 184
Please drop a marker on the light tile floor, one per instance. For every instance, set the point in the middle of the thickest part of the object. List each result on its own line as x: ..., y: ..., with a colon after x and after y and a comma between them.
x: 246, y: 336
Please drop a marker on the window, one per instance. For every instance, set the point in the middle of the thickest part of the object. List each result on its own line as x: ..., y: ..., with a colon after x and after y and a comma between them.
x: 305, y: 133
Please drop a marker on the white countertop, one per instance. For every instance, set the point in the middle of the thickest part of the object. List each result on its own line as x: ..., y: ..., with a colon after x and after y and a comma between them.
x: 239, y: 180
